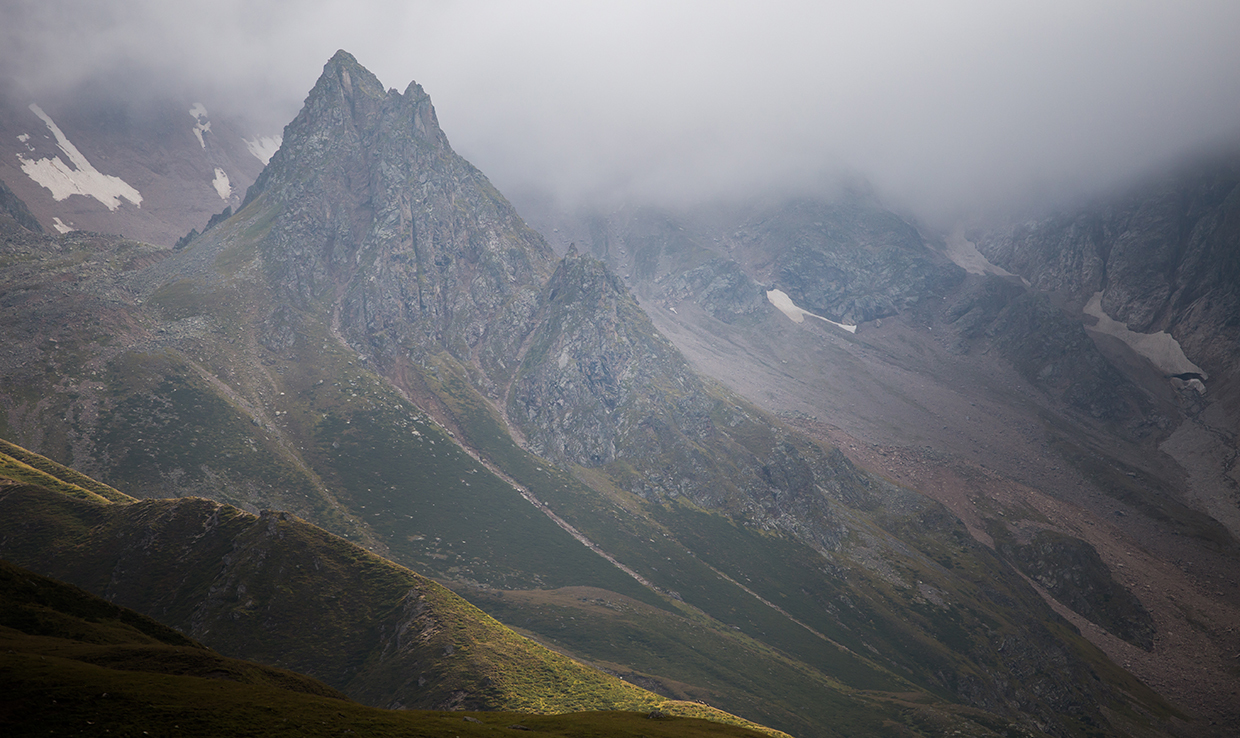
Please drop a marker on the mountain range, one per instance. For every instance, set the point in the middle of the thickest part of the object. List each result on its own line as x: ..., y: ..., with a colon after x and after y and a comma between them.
x: 963, y: 499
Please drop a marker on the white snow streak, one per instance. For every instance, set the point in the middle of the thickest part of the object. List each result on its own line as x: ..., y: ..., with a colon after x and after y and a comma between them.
x: 201, y: 124
x: 59, y: 226
x: 780, y: 300
x: 82, y: 179
x: 221, y: 183
x: 965, y: 254
x: 1160, y: 348
x: 264, y: 147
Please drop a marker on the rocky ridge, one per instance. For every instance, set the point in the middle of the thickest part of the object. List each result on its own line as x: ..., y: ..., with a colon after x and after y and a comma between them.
x: 379, y: 221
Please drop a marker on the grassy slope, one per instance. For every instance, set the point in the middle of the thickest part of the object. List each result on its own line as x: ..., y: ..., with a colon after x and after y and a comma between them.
x: 383, y: 623
x: 71, y: 661
x: 47, y: 472
x: 280, y: 591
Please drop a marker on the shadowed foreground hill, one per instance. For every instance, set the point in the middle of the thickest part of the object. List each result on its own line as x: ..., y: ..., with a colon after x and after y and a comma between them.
x: 277, y: 590
x: 70, y: 660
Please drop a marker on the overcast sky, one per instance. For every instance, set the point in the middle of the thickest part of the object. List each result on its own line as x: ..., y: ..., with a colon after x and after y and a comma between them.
x: 943, y: 105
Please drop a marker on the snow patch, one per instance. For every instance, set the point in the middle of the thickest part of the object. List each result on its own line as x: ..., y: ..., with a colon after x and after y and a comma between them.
x: 82, y: 179
x: 201, y: 124
x: 264, y: 147
x: 780, y: 300
x: 221, y: 183
x: 59, y: 226
x: 965, y: 254
x: 1160, y: 348
x: 24, y: 137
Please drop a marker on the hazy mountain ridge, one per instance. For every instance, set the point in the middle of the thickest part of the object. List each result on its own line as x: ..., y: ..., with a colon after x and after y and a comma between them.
x: 1164, y: 257
x: 245, y: 343
x: 983, y: 372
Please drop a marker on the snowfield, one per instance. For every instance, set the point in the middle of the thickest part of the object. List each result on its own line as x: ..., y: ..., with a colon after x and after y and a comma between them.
x: 221, y: 184
x: 964, y: 254
x: 201, y: 124
x: 81, y: 179
x: 1160, y: 348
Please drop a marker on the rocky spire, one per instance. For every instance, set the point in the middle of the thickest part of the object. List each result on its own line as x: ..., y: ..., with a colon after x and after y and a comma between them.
x: 379, y: 221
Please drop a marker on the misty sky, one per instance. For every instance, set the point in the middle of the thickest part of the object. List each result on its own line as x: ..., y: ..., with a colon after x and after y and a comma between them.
x: 944, y: 106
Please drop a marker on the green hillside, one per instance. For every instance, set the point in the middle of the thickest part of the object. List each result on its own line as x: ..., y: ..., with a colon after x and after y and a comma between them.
x: 71, y: 662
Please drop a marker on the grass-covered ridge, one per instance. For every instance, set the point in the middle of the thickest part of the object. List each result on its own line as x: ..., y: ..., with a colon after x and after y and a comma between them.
x: 293, y: 595
x: 17, y: 462
x: 277, y: 590
x: 71, y: 661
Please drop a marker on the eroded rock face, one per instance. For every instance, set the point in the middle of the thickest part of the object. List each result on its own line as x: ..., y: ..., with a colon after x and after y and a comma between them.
x: 12, y: 206
x: 1071, y: 570
x: 1165, y: 257
x: 853, y: 261
x: 580, y: 384
x: 722, y: 288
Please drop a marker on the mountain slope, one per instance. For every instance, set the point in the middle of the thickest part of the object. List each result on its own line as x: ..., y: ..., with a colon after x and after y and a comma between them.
x: 376, y: 342
x: 1159, y: 268
x: 994, y: 398
x: 287, y: 594
x: 384, y: 634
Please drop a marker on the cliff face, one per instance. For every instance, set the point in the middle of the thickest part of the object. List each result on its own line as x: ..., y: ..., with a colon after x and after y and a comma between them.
x: 1166, y: 257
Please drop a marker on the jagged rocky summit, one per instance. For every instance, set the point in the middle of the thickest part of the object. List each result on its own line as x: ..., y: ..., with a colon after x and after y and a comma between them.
x: 377, y: 220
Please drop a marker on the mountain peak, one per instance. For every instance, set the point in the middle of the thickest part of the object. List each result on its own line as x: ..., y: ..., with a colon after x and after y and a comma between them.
x: 376, y: 219
x: 346, y: 116
x: 344, y: 71
x: 342, y: 57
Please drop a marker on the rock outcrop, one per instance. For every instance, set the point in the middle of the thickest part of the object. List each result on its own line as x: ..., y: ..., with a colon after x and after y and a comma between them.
x: 12, y: 206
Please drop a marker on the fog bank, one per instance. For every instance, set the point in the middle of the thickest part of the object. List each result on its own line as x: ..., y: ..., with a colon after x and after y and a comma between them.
x: 945, y: 107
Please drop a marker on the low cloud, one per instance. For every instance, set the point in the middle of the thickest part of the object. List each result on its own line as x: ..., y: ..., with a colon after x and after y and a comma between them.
x: 945, y: 107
